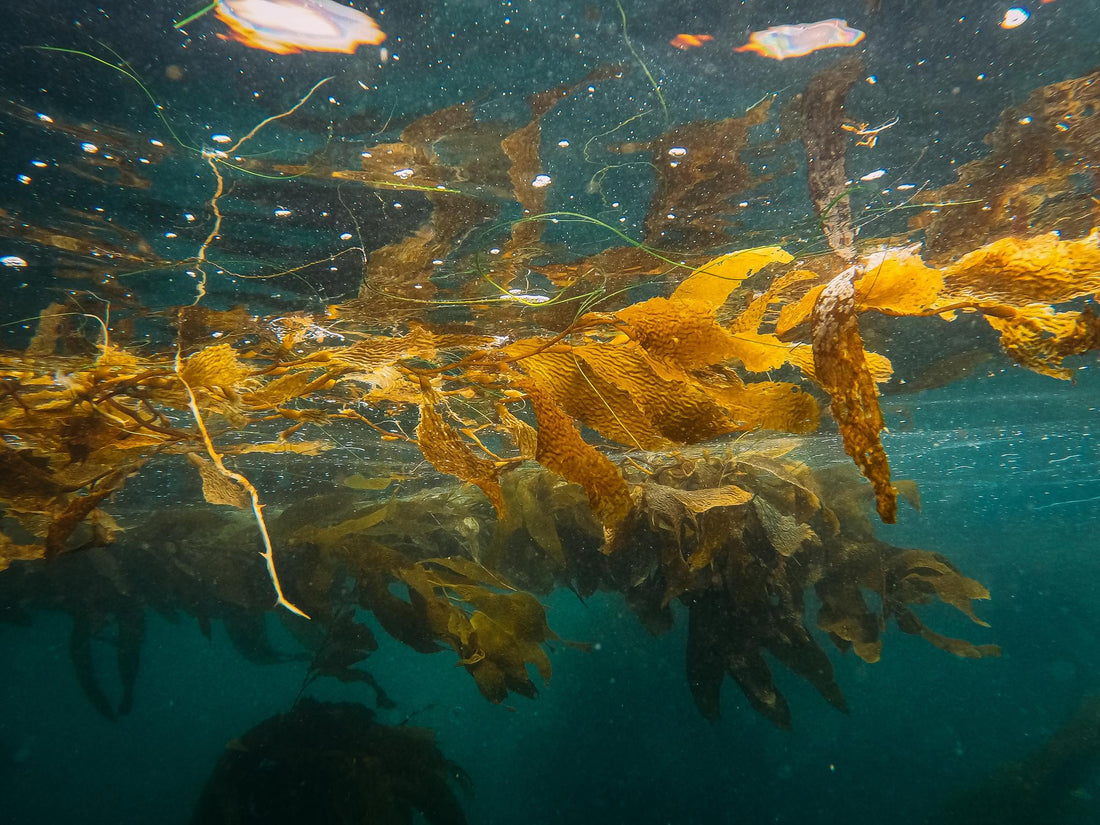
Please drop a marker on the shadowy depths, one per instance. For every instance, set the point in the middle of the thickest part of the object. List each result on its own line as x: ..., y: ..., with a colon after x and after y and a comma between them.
x: 331, y: 763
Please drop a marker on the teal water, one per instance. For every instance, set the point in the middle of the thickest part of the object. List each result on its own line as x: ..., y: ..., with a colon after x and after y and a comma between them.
x: 1006, y: 460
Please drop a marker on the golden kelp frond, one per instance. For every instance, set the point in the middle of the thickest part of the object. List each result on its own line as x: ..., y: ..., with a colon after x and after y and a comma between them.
x: 586, y: 394
x: 893, y: 281
x: 1039, y: 338
x: 216, y: 368
x: 681, y: 332
x: 767, y: 405
x: 1042, y: 270
x: 712, y: 283
x: 562, y: 450
x: 841, y: 368
x: 449, y: 453
x: 524, y: 436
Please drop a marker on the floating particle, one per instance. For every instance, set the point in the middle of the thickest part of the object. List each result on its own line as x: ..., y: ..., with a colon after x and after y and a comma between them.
x: 563, y: 143
x: 156, y: 142
x: 346, y: 236
x: 292, y: 26
x: 187, y: 216
x: 1014, y: 17
x: 282, y: 213
x: 878, y: 173
x: 690, y: 41
x: 404, y: 174
x: 41, y: 164
x: 13, y: 261
x: 44, y: 118
x: 677, y: 151
x: 541, y: 181
x: 90, y: 148
x: 221, y: 138
x: 24, y: 179
x: 781, y: 42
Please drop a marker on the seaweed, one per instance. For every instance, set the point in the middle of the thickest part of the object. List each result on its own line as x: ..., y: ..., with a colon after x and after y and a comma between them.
x: 335, y: 763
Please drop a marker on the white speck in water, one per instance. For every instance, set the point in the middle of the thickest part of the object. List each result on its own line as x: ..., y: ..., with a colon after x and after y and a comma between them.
x: 90, y: 148
x: 541, y: 181
x: 1015, y: 17
x: 13, y: 261
x: 221, y: 138
x: 404, y: 174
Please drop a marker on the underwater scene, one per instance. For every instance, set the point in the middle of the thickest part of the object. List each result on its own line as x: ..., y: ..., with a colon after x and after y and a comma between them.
x: 550, y: 411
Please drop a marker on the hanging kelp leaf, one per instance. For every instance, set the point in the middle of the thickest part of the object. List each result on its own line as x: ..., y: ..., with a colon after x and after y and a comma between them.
x: 1043, y: 270
x: 586, y: 394
x: 218, y: 488
x: 785, y: 533
x: 562, y: 450
x: 918, y: 574
x: 845, y: 615
x: 712, y: 283
x: 841, y: 368
x: 894, y: 281
x: 449, y: 453
x: 285, y: 388
x: 1039, y: 338
x: 766, y: 405
x: 63, y: 523
x: 523, y: 435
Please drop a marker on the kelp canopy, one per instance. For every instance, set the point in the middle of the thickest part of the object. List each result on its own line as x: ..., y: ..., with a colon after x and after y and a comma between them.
x: 514, y: 397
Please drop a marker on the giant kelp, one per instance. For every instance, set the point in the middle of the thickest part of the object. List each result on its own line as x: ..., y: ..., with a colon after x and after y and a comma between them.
x: 573, y: 418
x: 334, y: 762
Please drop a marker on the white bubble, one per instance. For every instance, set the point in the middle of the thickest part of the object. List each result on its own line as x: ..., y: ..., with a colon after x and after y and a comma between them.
x: 282, y: 213
x: 540, y: 181
x: 677, y: 151
x: 90, y: 148
x: 221, y: 138
x: 404, y: 174
x: 1014, y: 17
x: 878, y: 173
x: 13, y: 261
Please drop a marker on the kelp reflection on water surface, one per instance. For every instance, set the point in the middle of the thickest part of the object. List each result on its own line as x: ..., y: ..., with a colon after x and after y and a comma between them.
x: 572, y: 394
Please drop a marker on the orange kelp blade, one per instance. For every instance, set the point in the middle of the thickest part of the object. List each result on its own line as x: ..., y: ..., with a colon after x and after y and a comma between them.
x: 781, y: 42
x: 292, y: 26
x: 690, y: 41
